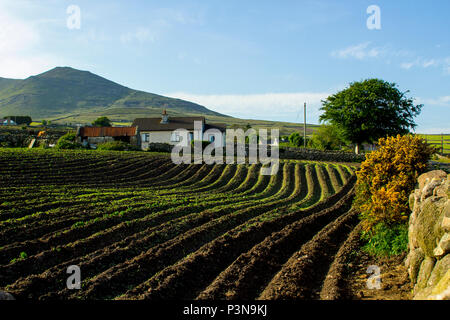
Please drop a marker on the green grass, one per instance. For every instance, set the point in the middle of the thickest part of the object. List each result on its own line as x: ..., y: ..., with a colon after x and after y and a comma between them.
x: 386, y: 240
x: 436, y: 140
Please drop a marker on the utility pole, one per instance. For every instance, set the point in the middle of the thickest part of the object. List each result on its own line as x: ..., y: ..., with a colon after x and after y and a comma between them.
x: 304, y: 125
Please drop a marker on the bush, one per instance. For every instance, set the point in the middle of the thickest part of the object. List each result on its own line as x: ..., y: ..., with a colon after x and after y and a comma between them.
x: 159, y: 147
x: 117, y: 146
x: 386, y: 240
x: 327, y: 137
x: 68, y: 141
x: 296, y: 140
x: 102, y: 122
x: 387, y: 177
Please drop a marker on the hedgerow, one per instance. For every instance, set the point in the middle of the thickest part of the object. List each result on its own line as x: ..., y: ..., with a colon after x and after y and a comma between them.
x: 117, y: 146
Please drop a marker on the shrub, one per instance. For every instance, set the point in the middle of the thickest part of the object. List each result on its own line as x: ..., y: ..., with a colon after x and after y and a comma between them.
x: 386, y: 240
x: 68, y: 141
x: 327, y: 137
x: 102, y: 122
x: 387, y: 177
x: 295, y: 139
x: 117, y: 146
x: 159, y: 147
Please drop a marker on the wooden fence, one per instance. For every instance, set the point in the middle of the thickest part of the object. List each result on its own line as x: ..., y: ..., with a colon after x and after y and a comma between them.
x: 440, y: 141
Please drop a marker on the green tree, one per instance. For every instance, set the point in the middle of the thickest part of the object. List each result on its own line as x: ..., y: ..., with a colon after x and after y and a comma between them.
x: 44, y: 122
x: 296, y: 139
x: 369, y: 110
x: 102, y: 122
x: 68, y: 141
x: 327, y: 137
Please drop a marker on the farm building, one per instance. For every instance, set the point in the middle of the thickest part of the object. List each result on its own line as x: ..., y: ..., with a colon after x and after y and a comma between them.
x: 162, y: 130
x: 96, y: 135
x: 7, y: 122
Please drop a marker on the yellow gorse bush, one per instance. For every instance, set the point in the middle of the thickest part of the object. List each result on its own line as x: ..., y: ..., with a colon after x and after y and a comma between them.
x: 387, y: 177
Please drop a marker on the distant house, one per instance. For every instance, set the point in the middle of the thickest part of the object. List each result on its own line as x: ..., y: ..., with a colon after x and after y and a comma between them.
x: 7, y: 122
x: 96, y: 135
x: 161, y: 130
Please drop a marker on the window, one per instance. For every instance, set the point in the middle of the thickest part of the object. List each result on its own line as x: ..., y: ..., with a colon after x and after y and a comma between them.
x: 211, y: 138
x: 175, y: 137
x: 146, y: 137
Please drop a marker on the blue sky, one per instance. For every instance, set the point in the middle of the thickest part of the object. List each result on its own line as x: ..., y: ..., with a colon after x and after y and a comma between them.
x: 250, y: 59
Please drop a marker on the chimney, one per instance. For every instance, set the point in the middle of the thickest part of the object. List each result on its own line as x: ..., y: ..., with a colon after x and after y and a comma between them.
x: 165, y: 117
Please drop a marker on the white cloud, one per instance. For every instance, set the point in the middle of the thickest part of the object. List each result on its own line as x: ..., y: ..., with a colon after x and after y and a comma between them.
x: 446, y: 65
x: 360, y: 51
x: 443, y: 101
x: 15, y: 35
x: 270, y: 106
x: 407, y: 65
x: 141, y: 35
x: 18, y: 38
x: 426, y: 63
x: 366, y: 50
x: 433, y: 130
x: 160, y: 22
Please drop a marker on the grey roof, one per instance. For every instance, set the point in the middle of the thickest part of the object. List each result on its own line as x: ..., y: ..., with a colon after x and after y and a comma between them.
x: 221, y: 126
x: 154, y: 124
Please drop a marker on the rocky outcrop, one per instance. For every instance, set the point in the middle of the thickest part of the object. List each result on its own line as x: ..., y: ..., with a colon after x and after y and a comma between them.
x: 428, y: 261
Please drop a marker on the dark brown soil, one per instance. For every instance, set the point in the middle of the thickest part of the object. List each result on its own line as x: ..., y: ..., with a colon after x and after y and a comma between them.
x: 394, y: 284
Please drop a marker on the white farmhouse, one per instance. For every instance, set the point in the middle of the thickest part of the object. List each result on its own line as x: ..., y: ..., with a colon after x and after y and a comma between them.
x: 172, y: 129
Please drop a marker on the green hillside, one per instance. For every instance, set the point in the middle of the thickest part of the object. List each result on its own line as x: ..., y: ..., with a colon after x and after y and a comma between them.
x: 65, y: 91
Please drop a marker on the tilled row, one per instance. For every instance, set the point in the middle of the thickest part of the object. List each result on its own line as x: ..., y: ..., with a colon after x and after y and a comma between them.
x: 303, y: 275
x: 103, y: 238
x: 210, y: 215
x: 106, y: 226
x: 185, y: 279
x: 249, y: 274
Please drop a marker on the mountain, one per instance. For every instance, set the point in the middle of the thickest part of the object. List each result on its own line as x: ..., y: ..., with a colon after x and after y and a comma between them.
x: 67, y: 93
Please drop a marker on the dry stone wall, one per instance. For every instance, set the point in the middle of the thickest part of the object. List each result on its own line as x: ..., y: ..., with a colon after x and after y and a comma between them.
x: 428, y: 261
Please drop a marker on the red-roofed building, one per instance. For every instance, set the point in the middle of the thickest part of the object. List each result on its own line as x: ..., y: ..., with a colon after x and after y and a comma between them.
x: 96, y: 135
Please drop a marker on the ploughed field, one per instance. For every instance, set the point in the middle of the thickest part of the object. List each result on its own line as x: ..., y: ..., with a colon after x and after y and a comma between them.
x: 141, y: 227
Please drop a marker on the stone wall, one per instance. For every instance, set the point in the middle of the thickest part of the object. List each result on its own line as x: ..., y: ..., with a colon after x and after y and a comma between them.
x: 428, y: 261
x: 313, y: 154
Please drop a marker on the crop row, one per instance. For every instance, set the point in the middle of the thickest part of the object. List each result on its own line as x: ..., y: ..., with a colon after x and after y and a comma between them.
x: 141, y: 227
